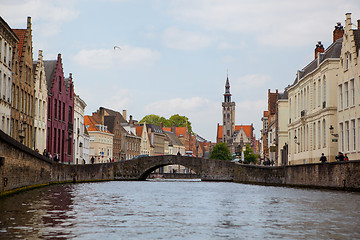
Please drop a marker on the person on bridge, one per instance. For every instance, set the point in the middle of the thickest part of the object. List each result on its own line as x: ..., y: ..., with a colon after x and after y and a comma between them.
x: 323, y: 158
x: 92, y: 159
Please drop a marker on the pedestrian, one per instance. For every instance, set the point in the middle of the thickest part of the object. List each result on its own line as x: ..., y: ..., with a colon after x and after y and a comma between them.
x: 340, y: 157
x: 45, y: 152
x: 92, y: 160
x: 323, y: 158
x: 49, y: 155
x: 56, y: 158
x: 346, y: 158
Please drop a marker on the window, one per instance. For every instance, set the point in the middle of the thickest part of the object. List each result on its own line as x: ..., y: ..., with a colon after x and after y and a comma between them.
x: 55, y: 107
x: 341, y: 126
x: 324, y: 89
x: 59, y: 83
x: 324, y: 133
x: 353, y: 134
x: 346, y: 89
x: 352, y: 92
x: 314, y: 136
x: 340, y: 98
x: 347, y: 136
x: 319, y: 135
x: 314, y: 96
x: 347, y: 60
x: 319, y: 93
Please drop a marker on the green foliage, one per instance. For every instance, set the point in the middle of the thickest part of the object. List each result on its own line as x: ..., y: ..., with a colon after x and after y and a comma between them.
x: 249, y: 156
x: 176, y: 119
x: 220, y: 151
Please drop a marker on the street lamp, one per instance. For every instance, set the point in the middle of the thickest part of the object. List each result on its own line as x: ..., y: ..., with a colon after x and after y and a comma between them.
x: 332, y: 131
x: 295, y: 140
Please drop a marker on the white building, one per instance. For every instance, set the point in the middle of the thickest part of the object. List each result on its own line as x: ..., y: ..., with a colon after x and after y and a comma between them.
x: 8, y: 45
x: 348, y: 112
x: 81, y: 138
x: 41, y: 95
x: 313, y: 107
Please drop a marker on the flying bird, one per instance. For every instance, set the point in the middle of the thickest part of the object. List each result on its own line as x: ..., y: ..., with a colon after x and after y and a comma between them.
x: 115, y: 47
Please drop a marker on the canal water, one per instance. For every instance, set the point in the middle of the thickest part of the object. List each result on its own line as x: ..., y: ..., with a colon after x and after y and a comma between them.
x: 179, y: 210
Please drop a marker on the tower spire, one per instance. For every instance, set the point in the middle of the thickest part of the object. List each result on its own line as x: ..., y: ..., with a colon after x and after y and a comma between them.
x: 227, y: 95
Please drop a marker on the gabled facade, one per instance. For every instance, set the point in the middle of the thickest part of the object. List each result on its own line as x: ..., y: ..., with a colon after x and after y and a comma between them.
x: 348, y: 91
x: 113, y: 119
x: 81, y: 147
x: 60, y: 124
x: 312, y: 107
x: 41, y: 96
x: 145, y: 147
x: 131, y: 141
x: 8, y: 53
x: 157, y: 139
x: 101, y: 140
x: 22, y: 108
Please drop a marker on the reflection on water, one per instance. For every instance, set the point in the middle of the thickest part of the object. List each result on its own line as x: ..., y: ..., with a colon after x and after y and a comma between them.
x: 178, y: 210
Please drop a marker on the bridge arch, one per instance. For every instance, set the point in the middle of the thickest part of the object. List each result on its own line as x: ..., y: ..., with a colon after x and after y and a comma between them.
x: 208, y: 169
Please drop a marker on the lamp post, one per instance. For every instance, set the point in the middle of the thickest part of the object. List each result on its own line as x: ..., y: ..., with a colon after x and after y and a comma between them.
x: 332, y: 131
x: 295, y: 140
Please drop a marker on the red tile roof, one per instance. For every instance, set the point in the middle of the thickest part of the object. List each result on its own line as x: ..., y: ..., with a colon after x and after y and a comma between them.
x: 178, y: 130
x: 21, y: 35
x: 139, y: 130
x: 247, y: 130
x: 91, y: 122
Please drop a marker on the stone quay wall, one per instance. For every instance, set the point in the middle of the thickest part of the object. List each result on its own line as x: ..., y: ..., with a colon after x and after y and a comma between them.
x: 333, y: 175
x: 22, y: 168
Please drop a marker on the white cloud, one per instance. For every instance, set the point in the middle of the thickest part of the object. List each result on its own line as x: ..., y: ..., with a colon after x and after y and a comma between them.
x: 109, y: 58
x: 48, y: 15
x: 185, y: 40
x: 276, y: 23
x: 251, y: 81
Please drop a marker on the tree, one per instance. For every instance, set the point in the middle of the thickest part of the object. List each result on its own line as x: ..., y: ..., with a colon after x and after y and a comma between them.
x: 176, y: 120
x: 154, y: 119
x: 249, y: 156
x: 220, y: 151
x: 180, y: 121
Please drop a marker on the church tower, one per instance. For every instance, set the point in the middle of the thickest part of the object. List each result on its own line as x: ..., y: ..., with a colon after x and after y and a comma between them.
x: 228, y: 114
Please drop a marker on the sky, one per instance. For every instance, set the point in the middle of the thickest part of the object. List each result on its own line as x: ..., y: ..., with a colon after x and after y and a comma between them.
x: 173, y: 56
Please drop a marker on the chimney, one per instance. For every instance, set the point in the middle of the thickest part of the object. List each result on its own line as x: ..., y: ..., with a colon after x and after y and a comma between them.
x: 319, y: 49
x: 338, y: 32
x: 28, y: 22
x: 130, y: 120
x: 124, y: 114
x: 173, y: 128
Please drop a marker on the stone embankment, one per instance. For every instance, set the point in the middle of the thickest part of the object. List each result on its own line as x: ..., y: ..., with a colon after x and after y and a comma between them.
x: 22, y: 168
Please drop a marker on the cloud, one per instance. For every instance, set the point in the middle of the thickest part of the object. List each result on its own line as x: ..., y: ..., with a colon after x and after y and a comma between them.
x: 185, y: 40
x: 251, y: 81
x: 48, y: 15
x: 115, y: 57
x: 275, y: 23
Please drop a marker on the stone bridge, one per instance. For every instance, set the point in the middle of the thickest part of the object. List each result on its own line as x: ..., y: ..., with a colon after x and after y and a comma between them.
x: 208, y: 170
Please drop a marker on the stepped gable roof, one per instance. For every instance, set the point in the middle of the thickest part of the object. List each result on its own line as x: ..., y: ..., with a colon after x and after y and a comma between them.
x: 92, y: 123
x: 174, y: 140
x: 247, y: 130
x: 49, y: 66
x: 21, y: 35
x: 333, y: 51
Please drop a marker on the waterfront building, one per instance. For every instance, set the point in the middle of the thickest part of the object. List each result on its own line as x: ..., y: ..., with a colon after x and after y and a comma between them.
x: 60, y: 124
x: 131, y: 141
x: 157, y: 139
x: 312, y: 107
x: 22, y: 108
x: 81, y: 149
x: 41, y: 96
x: 281, y: 140
x: 101, y: 140
x: 235, y: 136
x: 347, y: 130
x: 264, y: 153
x: 145, y: 146
x: 8, y: 53
x: 113, y: 119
